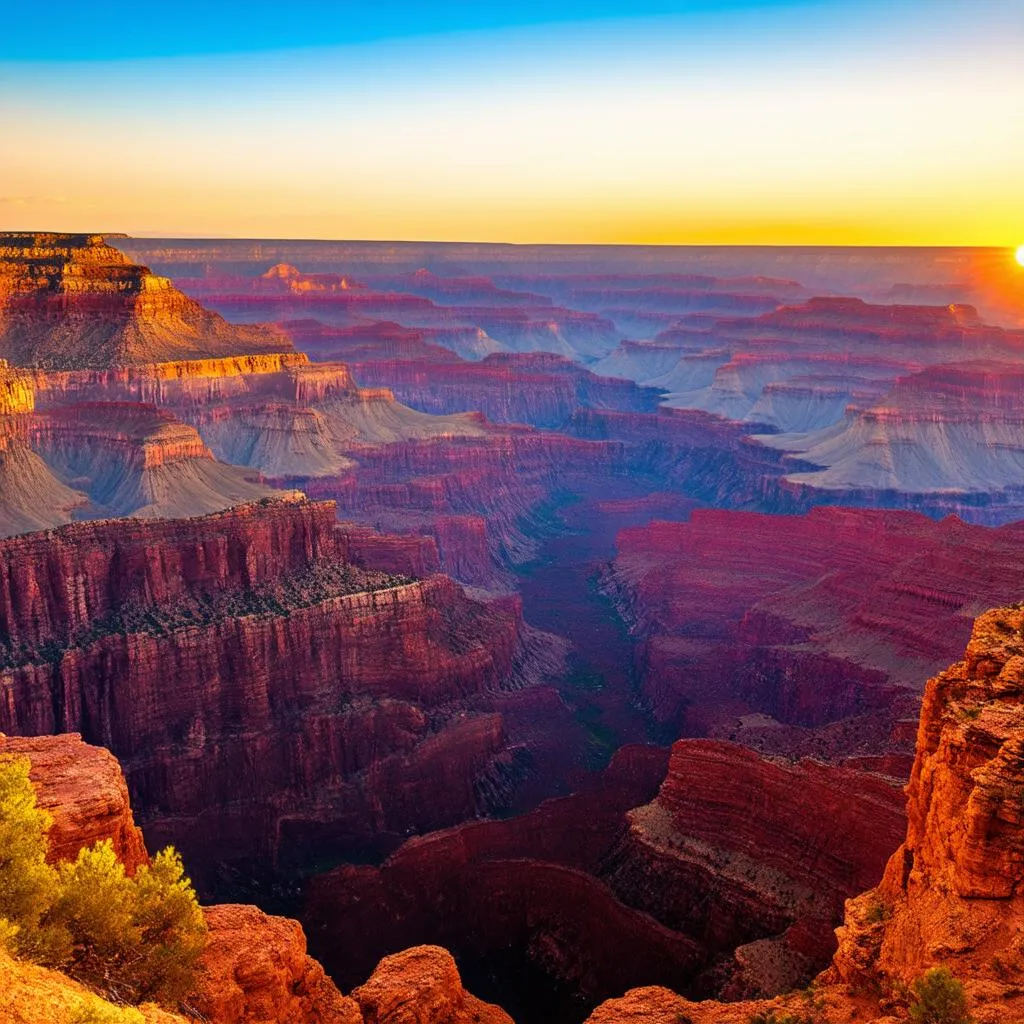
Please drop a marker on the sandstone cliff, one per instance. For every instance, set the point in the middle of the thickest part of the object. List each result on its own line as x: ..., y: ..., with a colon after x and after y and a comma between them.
x: 83, y: 790
x: 70, y: 301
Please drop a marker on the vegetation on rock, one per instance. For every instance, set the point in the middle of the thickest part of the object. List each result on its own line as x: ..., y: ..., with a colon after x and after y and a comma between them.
x: 132, y: 938
x: 938, y: 998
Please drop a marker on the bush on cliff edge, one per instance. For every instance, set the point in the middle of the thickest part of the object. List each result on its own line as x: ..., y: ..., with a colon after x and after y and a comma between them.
x: 131, y: 938
x: 938, y: 998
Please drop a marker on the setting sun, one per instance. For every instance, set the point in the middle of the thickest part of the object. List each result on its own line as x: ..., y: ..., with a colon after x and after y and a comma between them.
x: 1020, y: 255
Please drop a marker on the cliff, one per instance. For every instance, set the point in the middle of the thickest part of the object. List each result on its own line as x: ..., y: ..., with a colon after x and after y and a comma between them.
x: 84, y: 791
x: 281, y: 654
x: 72, y: 301
x: 754, y: 858
x: 53, y: 585
x: 949, y: 896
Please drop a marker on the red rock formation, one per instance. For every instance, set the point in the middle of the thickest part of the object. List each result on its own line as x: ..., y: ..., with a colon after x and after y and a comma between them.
x: 951, y: 892
x: 53, y: 585
x: 84, y: 791
x: 255, y: 969
x: 947, y: 437
x: 737, y: 851
x: 949, y: 896
x: 419, y: 985
x: 280, y: 655
x: 816, y: 619
x: 70, y: 301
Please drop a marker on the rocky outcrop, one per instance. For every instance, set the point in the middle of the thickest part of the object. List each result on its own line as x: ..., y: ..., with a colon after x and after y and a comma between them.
x: 82, y: 788
x: 255, y: 970
x: 950, y: 893
x: 31, y: 495
x: 422, y: 984
x: 949, y: 896
x: 72, y: 301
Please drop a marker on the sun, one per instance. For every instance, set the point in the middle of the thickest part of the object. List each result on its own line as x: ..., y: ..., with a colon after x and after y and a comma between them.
x: 1020, y: 255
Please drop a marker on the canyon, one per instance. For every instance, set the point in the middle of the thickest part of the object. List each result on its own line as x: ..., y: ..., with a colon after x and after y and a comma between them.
x: 561, y: 611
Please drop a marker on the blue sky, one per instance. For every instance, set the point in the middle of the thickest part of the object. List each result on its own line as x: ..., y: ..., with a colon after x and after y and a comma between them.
x: 64, y: 30
x: 806, y: 121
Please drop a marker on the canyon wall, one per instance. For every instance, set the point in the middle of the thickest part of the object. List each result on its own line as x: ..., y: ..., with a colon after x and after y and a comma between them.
x: 249, y: 641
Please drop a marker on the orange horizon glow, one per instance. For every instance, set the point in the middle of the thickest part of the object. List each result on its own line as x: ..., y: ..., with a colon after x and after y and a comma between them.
x: 642, y: 132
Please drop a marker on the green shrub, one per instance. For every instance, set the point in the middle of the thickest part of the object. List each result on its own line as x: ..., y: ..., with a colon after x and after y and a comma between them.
x: 132, y: 938
x: 28, y: 884
x: 938, y: 998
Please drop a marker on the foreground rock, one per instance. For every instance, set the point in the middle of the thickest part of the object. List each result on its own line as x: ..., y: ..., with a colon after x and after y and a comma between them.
x: 255, y: 969
x: 422, y: 985
x: 83, y: 790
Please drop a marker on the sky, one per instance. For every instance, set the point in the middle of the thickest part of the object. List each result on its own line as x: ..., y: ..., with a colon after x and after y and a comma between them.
x: 651, y: 121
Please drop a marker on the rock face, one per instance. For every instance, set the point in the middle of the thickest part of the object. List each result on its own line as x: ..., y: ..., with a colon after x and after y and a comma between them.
x: 739, y: 851
x: 84, y: 791
x: 70, y: 301
x: 422, y: 984
x: 54, y: 585
x: 744, y: 616
x: 255, y: 971
x: 951, y: 891
x: 949, y: 896
x: 356, y: 692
